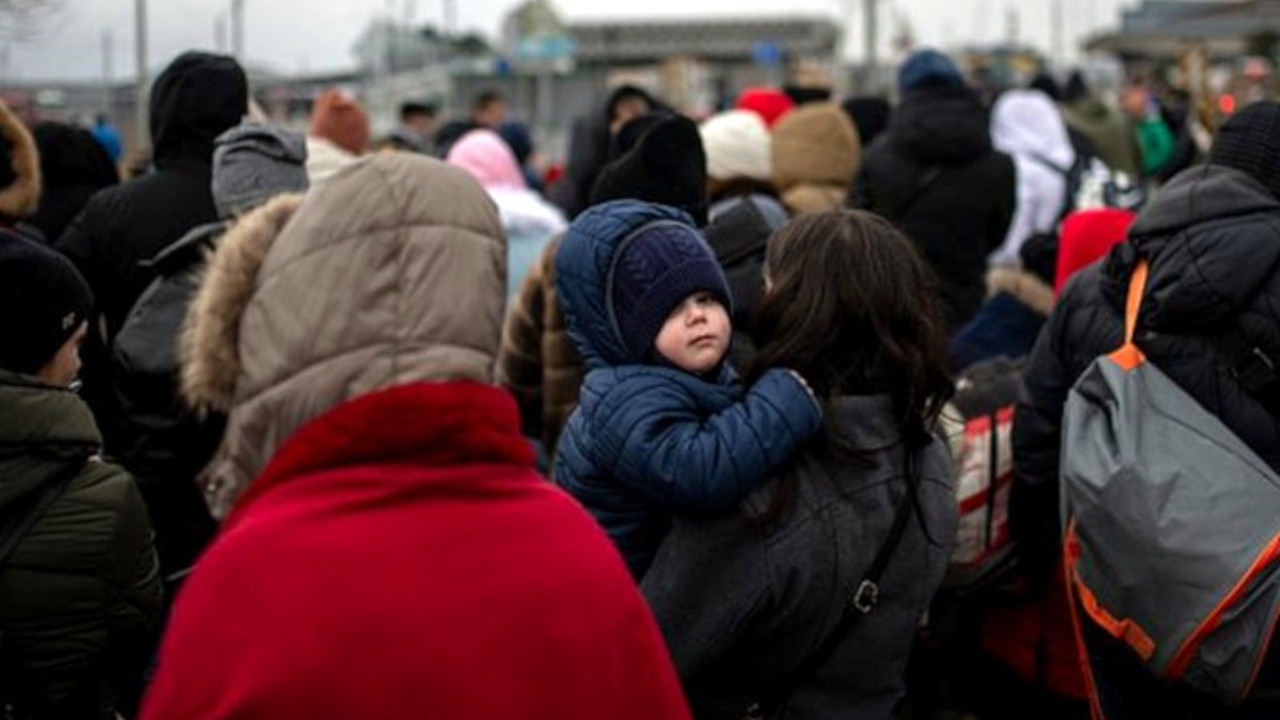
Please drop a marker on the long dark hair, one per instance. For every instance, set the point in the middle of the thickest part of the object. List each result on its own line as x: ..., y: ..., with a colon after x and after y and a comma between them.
x: 853, y: 307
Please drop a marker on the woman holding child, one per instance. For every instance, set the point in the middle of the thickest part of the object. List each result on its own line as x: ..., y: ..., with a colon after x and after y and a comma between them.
x: 802, y: 600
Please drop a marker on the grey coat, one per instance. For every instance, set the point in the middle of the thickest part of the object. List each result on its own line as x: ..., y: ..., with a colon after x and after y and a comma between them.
x: 742, y: 604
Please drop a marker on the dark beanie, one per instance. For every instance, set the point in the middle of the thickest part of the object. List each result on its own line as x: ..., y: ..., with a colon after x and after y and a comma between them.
x: 1045, y: 83
x: 660, y: 266
x: 43, y: 301
x: 1250, y: 142
x: 870, y: 115
x: 667, y: 166
x: 631, y: 131
x: 928, y: 68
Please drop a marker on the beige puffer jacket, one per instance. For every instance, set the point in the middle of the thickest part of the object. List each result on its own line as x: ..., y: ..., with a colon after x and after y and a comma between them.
x: 392, y: 272
x: 816, y: 153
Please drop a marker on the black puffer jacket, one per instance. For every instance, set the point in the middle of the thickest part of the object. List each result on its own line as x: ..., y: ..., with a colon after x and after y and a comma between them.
x: 935, y: 175
x: 192, y: 102
x: 1213, y: 239
x: 73, y: 166
x: 80, y: 595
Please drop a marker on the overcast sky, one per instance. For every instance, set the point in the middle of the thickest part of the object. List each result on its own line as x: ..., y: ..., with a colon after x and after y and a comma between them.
x: 313, y: 35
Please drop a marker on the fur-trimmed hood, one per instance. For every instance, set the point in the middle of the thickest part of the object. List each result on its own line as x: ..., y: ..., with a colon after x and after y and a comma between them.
x: 21, y: 196
x: 393, y: 272
x: 1025, y: 287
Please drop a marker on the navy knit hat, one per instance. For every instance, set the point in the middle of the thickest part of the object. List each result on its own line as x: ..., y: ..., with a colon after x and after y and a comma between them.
x: 658, y: 267
x: 43, y: 301
x: 929, y: 68
x: 1250, y: 142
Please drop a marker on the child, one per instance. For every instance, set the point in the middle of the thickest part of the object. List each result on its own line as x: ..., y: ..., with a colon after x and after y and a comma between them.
x: 663, y: 424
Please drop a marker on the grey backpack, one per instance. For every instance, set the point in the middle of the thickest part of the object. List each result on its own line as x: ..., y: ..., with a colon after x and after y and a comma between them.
x: 1171, y: 522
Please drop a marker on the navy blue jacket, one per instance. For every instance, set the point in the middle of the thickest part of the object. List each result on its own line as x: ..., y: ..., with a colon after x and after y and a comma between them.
x: 647, y: 440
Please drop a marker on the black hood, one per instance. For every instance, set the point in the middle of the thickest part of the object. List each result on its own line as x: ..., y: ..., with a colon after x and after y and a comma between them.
x: 1213, y: 237
x: 941, y: 126
x: 197, y: 98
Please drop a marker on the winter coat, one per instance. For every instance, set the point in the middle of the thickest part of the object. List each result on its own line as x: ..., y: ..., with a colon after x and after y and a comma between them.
x: 537, y: 362
x: 1009, y: 321
x: 396, y: 553
x: 318, y: 333
x: 645, y: 439
x: 1210, y: 236
x: 1028, y: 126
x: 936, y: 176
x: 529, y: 221
x: 194, y: 101
x: 473, y: 588
x: 816, y: 152
x: 743, y: 602
x: 1109, y: 131
x: 80, y: 595
x: 162, y: 443
x: 73, y: 166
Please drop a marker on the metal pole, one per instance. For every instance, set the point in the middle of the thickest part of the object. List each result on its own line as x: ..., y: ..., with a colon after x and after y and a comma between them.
x: 237, y: 29
x: 1059, y: 33
x: 107, y: 48
x: 220, y: 33
x: 872, y: 29
x: 450, y: 17
x: 140, y: 52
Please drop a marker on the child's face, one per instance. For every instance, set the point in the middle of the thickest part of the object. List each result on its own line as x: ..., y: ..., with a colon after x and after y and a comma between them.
x: 695, y: 336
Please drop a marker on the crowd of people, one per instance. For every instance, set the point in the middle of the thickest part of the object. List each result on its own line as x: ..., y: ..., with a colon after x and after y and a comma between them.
x: 762, y: 416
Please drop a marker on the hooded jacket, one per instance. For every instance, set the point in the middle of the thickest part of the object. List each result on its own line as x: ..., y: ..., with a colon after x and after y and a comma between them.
x: 1028, y: 126
x: 192, y: 102
x: 816, y: 153
x: 274, y: 355
x: 646, y: 440
x: 80, y: 595
x: 529, y: 221
x: 744, y: 602
x: 1215, y: 264
x: 20, y: 182
x: 395, y: 516
x: 936, y: 176
x: 1111, y: 134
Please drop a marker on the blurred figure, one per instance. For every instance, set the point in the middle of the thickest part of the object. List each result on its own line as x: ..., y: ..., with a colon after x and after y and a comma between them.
x: 1108, y: 131
x: 163, y: 444
x: 73, y: 166
x: 517, y: 137
x: 816, y: 153
x: 1156, y: 142
x: 386, y: 480
x: 589, y: 146
x: 935, y: 174
x: 197, y: 98
x: 528, y: 221
x: 1028, y: 126
x: 769, y: 103
x: 339, y: 135
x: 870, y: 115
x: 109, y: 138
x: 488, y: 110
x: 667, y: 165
x: 79, y: 583
x: 417, y: 124
x: 20, y: 181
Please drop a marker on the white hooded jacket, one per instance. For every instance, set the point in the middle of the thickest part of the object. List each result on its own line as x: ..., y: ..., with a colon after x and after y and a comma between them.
x: 1028, y: 126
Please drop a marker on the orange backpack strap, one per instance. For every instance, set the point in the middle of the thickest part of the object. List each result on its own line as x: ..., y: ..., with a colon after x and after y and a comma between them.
x: 1128, y: 356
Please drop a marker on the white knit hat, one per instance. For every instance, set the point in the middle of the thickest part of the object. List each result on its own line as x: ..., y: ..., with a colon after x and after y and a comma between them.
x: 738, y: 145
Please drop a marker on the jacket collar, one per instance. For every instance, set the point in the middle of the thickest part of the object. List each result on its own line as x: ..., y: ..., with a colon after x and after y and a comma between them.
x: 425, y: 425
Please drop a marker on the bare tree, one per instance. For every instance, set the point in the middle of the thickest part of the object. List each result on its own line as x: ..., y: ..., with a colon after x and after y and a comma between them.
x: 29, y: 20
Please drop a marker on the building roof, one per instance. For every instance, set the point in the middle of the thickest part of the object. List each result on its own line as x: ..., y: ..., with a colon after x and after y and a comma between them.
x: 1161, y: 28
x: 634, y: 42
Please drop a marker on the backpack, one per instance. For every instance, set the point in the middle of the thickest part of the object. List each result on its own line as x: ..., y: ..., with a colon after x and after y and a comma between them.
x: 981, y: 414
x: 1091, y: 184
x: 1171, y: 523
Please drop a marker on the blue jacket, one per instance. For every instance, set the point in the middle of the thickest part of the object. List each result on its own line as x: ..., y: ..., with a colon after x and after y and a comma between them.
x: 646, y: 440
